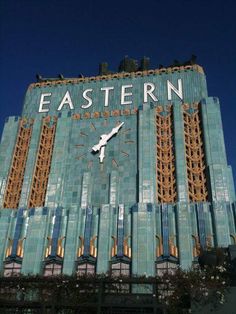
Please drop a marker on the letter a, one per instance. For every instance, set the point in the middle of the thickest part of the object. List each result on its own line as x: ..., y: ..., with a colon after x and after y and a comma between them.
x: 66, y: 101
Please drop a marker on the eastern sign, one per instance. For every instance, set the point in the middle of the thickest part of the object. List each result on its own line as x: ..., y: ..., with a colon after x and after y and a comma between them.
x: 149, y: 89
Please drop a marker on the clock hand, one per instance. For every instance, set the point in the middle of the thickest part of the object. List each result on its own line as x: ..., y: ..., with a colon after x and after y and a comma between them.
x: 114, y: 130
x: 105, y: 138
x: 102, y: 153
x: 101, y: 143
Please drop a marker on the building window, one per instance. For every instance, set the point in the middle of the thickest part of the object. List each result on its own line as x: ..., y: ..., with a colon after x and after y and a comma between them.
x: 12, y: 269
x: 166, y: 267
x: 52, y: 269
x: 85, y: 269
x: 120, y: 269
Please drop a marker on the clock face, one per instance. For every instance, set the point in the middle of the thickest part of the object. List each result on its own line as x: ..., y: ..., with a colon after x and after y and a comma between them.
x: 112, y: 178
x: 104, y: 144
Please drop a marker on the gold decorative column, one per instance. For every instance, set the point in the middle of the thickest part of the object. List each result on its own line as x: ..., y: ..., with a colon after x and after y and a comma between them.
x: 43, y: 163
x: 166, y: 182
x: 17, y: 170
x: 197, y: 188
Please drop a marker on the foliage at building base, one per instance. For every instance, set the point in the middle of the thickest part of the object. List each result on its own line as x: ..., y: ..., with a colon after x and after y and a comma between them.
x: 171, y: 293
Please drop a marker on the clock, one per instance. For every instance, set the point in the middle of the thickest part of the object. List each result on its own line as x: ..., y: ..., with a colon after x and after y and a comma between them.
x: 104, y: 138
x: 100, y: 176
x: 104, y: 143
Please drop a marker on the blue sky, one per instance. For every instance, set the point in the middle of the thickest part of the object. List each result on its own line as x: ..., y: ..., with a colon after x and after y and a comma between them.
x: 71, y: 37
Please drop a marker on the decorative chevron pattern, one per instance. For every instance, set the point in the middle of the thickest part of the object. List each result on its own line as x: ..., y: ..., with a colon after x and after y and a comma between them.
x: 197, y: 188
x: 166, y: 183
x: 43, y: 163
x: 17, y: 170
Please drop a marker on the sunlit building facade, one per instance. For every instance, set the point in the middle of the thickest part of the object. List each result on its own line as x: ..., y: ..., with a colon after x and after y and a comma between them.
x: 122, y: 173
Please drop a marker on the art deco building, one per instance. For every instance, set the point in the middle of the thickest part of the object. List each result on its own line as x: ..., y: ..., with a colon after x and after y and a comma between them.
x: 123, y: 173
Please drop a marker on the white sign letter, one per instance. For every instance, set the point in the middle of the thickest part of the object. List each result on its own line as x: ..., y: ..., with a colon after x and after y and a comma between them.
x: 171, y: 87
x: 125, y: 94
x: 106, y: 89
x: 44, y: 102
x: 86, y: 97
x: 66, y: 101
x: 148, y: 88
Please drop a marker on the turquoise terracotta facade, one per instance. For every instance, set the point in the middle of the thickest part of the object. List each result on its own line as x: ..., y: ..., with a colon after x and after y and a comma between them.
x: 116, y: 198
